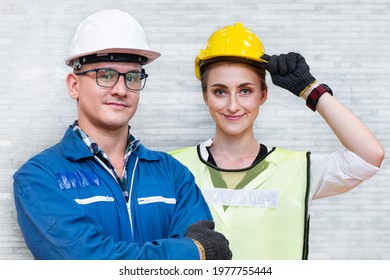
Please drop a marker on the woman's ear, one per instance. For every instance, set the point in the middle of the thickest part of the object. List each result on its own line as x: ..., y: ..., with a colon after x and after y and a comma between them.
x: 264, y: 96
x: 205, y: 98
x: 72, y: 82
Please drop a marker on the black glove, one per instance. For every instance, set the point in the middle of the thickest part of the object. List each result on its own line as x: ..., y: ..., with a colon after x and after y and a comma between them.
x: 216, y: 246
x: 289, y: 71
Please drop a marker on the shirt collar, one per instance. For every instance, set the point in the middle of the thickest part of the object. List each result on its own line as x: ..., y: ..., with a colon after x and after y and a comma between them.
x: 204, y: 153
x: 132, y: 143
x: 74, y: 148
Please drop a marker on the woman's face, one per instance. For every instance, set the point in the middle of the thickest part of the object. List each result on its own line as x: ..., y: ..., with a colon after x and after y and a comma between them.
x: 233, y: 95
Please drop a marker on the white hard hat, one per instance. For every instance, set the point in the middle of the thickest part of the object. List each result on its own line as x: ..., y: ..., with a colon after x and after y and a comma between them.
x: 109, y: 35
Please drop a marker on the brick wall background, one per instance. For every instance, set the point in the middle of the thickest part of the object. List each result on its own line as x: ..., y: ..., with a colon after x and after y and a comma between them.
x: 346, y: 43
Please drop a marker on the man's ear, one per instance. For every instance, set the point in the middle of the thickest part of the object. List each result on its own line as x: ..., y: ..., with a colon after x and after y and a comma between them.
x: 72, y: 82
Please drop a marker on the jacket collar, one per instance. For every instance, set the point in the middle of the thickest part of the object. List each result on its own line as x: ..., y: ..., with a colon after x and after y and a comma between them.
x: 73, y: 147
x: 144, y: 153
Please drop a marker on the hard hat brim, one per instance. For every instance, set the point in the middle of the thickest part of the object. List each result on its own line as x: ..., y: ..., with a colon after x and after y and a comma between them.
x: 200, y: 63
x: 150, y: 55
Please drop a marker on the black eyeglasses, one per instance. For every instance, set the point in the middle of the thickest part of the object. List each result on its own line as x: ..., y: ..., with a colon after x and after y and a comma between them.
x: 107, y: 77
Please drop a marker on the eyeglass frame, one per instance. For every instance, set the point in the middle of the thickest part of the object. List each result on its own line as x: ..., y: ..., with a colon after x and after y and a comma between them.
x: 142, y: 76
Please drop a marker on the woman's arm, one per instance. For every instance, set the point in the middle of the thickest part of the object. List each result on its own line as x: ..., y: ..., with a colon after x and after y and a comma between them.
x: 353, y: 134
x: 290, y: 71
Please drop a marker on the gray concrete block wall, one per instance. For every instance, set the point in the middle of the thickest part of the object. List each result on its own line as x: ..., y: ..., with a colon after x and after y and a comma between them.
x: 346, y: 43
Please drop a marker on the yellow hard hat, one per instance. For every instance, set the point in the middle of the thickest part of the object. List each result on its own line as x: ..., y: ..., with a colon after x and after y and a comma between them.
x: 235, y: 42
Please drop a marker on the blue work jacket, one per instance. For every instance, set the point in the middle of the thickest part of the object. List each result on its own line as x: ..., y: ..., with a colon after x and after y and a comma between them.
x: 70, y: 207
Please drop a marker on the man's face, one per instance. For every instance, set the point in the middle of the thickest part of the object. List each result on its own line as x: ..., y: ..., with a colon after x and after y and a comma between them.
x: 107, y: 108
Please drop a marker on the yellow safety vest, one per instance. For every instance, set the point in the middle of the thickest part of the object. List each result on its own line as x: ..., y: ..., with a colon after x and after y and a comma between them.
x: 264, y: 214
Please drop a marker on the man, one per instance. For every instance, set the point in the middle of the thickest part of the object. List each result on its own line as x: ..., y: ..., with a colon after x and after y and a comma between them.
x: 99, y: 193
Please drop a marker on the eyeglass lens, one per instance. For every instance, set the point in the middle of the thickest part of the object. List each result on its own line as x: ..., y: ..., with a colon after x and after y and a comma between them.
x: 109, y: 78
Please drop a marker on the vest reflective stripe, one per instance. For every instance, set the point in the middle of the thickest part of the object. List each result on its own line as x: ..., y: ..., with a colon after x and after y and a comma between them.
x: 277, y: 226
x: 255, y: 198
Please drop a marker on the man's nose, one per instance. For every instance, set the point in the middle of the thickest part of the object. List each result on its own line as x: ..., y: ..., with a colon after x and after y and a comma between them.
x: 120, y: 87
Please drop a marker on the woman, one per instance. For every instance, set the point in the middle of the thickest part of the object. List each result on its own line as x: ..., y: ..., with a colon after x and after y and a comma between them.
x: 259, y: 196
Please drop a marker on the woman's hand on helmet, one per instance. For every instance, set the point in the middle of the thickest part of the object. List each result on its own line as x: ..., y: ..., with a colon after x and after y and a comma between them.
x: 289, y: 71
